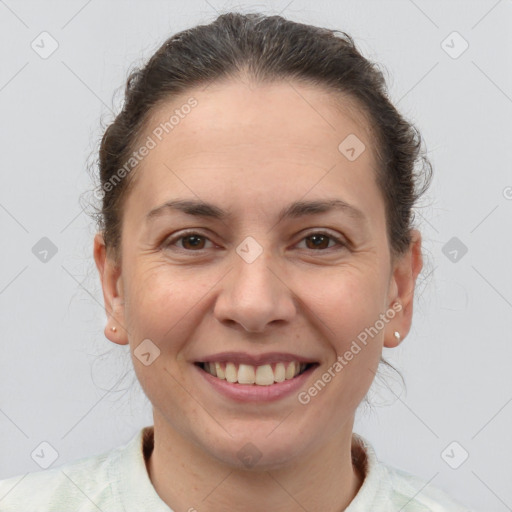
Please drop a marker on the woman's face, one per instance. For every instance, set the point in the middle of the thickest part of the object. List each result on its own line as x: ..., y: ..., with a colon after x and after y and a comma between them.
x: 265, y: 288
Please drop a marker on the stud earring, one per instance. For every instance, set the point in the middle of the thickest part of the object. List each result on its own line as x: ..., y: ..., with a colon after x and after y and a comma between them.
x: 397, y: 335
x: 114, y: 329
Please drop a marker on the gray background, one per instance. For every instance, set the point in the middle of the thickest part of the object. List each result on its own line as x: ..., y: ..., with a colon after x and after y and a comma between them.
x: 63, y: 383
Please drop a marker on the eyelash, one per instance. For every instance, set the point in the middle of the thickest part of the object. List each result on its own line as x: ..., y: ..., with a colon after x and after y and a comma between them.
x: 173, y: 239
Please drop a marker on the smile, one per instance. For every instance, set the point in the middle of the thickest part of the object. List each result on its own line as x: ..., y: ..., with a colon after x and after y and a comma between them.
x: 262, y: 375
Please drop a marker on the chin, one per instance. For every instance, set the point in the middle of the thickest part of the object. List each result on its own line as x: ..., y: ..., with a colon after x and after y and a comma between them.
x: 263, y: 450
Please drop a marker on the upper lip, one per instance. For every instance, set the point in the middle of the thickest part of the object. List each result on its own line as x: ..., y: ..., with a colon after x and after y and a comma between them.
x: 255, y: 359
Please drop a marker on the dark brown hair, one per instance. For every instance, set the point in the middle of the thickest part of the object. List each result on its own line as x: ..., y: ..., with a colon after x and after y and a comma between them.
x: 266, y: 48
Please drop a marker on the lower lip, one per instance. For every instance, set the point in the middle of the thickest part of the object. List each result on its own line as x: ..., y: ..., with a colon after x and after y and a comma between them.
x: 254, y: 392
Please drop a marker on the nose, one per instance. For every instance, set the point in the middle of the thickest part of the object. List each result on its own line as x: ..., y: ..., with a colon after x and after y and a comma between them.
x: 254, y: 295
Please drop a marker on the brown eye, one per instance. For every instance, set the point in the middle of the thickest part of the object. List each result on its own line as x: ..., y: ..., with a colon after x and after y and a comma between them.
x: 320, y: 241
x: 193, y: 241
x: 188, y: 241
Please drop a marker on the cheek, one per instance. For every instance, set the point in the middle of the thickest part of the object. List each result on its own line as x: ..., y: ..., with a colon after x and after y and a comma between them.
x: 347, y: 301
x: 348, y: 304
x: 163, y: 302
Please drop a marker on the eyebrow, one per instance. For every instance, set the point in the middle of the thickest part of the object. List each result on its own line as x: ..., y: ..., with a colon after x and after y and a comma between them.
x: 295, y: 210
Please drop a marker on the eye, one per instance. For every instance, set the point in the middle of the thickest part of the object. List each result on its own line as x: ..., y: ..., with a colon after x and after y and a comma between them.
x: 319, y: 240
x: 192, y: 241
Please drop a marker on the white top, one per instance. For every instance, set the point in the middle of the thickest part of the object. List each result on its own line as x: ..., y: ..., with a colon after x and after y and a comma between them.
x: 117, y: 480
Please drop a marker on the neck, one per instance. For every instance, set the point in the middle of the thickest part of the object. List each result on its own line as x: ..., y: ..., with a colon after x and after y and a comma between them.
x: 187, y: 479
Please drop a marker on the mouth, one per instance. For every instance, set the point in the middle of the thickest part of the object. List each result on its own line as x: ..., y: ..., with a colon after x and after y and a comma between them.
x: 251, y: 375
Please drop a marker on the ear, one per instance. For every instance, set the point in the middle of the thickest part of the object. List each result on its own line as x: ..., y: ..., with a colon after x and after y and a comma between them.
x: 111, y: 283
x: 401, y: 290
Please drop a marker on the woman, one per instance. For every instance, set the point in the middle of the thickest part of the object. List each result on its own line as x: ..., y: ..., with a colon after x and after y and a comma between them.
x: 256, y: 252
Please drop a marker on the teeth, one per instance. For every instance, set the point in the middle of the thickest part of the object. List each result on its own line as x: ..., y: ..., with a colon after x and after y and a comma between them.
x: 219, y: 371
x: 231, y: 373
x: 246, y: 374
x: 290, y: 371
x: 264, y: 375
x: 279, y: 373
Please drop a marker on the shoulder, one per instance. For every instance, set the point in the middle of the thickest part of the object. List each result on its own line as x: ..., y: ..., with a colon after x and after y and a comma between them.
x: 388, y: 489
x: 71, y: 484
x: 85, y: 484
x: 416, y: 494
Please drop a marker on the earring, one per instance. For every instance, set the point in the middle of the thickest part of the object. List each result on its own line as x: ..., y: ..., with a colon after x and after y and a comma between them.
x: 397, y: 335
x: 113, y: 329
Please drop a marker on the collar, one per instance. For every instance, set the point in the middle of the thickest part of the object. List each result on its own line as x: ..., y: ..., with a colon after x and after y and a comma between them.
x: 136, y: 492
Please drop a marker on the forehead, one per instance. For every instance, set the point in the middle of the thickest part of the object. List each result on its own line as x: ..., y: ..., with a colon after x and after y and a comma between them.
x: 238, y: 136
